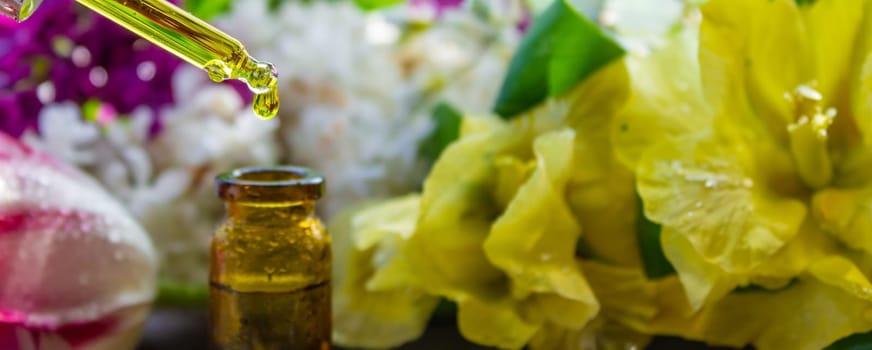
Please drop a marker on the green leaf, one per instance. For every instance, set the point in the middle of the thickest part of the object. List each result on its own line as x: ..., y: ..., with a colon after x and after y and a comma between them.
x: 590, y: 8
x: 273, y: 4
x: 370, y: 5
x: 562, y: 48
x: 446, y: 120
x: 648, y: 233
x: 446, y: 310
x: 207, y: 9
x: 860, y: 341
x: 175, y: 294
x: 805, y: 2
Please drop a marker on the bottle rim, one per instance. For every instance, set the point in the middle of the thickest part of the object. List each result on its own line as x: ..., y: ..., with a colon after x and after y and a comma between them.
x: 270, y: 184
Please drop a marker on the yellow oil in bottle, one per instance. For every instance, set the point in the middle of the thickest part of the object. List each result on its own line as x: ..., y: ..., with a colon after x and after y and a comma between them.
x: 270, y: 263
x: 198, y: 43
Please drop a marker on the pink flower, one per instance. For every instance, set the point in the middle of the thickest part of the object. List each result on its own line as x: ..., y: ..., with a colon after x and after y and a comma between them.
x: 77, y: 271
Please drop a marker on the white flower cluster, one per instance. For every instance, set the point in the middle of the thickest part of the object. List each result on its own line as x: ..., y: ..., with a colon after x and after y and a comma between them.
x: 166, y: 182
x: 357, y: 90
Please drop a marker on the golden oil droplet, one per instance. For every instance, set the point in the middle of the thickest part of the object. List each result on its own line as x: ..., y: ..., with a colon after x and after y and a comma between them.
x: 266, y: 105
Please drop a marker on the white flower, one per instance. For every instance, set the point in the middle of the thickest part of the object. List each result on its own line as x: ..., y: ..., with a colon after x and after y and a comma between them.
x: 208, y: 131
x: 212, y: 127
x: 64, y: 134
x: 642, y: 24
x: 356, y: 99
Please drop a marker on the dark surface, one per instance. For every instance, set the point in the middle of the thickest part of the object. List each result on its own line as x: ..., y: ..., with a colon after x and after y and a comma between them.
x: 188, y: 330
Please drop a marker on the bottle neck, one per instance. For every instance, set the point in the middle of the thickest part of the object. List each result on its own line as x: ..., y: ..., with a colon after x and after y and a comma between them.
x: 271, y: 212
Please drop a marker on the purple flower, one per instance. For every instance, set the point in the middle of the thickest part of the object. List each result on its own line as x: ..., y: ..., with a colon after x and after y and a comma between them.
x: 19, y: 110
x: 78, y: 56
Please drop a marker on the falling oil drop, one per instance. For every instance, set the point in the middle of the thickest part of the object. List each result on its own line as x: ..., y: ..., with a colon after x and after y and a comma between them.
x: 266, y: 105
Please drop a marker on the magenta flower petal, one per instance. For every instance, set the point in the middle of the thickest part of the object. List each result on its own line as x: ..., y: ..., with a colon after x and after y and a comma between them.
x: 77, y: 269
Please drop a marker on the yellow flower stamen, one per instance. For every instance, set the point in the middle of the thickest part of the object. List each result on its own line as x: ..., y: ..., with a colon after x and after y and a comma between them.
x: 808, y: 136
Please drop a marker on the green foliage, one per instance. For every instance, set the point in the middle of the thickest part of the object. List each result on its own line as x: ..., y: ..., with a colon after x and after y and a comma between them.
x: 207, y: 9
x: 562, y: 48
x: 860, y: 341
x: 370, y: 5
x: 446, y: 120
x: 172, y: 294
x: 648, y: 233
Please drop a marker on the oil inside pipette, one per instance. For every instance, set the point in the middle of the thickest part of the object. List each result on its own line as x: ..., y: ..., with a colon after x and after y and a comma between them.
x: 198, y: 43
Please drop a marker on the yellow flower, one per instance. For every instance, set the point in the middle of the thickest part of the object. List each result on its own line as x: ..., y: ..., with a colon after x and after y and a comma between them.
x: 505, y: 206
x: 769, y: 191
x: 509, y: 266
x: 824, y: 304
x: 376, y: 304
x: 496, y: 227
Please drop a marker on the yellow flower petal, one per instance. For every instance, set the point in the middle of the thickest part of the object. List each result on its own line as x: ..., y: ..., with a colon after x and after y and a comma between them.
x: 493, y: 322
x: 752, y: 53
x: 626, y: 295
x: 606, y: 207
x: 862, y: 97
x: 397, y: 216
x: 557, y: 338
x: 809, y: 246
x: 845, y: 214
x: 840, y: 272
x: 833, y: 301
x: 376, y: 304
x: 832, y: 27
x: 861, y: 77
x: 666, y: 101
x: 511, y: 174
x: 457, y: 209
x: 600, y: 191
x: 703, y: 280
x: 534, y: 239
x: 709, y: 192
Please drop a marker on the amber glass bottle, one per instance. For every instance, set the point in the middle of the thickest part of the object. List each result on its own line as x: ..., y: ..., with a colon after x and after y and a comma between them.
x: 270, y: 262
